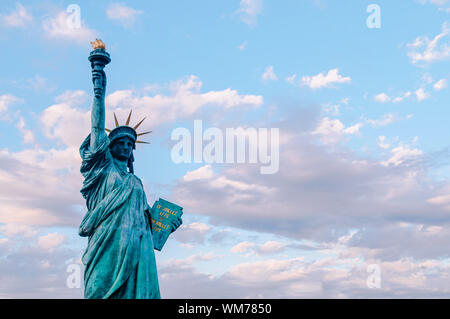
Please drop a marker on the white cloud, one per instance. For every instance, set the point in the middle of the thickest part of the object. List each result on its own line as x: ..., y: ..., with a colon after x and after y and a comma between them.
x: 124, y: 15
x: 249, y: 10
x: 187, y: 263
x: 291, y: 79
x: 24, y: 172
x: 382, y: 142
x: 271, y: 247
x: 192, y: 233
x: 7, y: 100
x: 29, y: 271
x: 201, y: 227
x: 204, y: 172
x: 19, y: 18
x: 401, y: 97
x: 272, y: 270
x: 68, y: 120
x: 332, y: 109
x: 223, y: 182
x: 342, y: 275
x: 50, y: 241
x: 321, y: 80
x: 382, y: 98
x: 62, y: 27
x: 65, y: 120
x: 28, y: 136
x: 196, y: 258
x: 421, y: 95
x: 185, y: 100
x: 269, y: 74
x: 441, y: 200
x: 424, y: 50
x: 242, y: 247
x: 331, y: 131
x: 387, y: 119
x: 354, y: 129
x: 356, y: 189
x: 400, y: 154
x: 11, y: 230
x: 440, y: 85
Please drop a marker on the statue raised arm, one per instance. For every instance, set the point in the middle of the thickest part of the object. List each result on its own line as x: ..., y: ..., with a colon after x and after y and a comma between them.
x: 98, y: 107
x: 99, y: 58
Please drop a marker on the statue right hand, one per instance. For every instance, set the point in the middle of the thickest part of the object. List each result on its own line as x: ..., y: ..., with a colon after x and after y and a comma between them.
x: 99, y: 81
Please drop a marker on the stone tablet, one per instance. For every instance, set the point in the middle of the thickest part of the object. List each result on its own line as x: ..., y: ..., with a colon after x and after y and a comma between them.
x: 163, y: 212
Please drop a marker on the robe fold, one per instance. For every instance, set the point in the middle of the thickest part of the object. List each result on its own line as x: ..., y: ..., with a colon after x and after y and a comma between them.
x: 119, y: 259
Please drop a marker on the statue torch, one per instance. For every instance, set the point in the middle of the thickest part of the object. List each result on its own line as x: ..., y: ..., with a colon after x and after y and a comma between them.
x: 99, y: 58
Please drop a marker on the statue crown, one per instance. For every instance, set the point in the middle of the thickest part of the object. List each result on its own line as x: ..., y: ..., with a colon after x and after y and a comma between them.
x: 125, y: 130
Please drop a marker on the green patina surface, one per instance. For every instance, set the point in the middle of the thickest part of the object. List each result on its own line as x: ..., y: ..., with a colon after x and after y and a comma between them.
x: 120, y: 258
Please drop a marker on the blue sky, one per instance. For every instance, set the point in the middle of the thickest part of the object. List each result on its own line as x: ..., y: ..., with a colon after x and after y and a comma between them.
x: 362, y: 115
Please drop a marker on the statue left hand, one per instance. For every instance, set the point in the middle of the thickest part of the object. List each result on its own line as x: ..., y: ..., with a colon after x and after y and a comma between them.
x: 176, y: 223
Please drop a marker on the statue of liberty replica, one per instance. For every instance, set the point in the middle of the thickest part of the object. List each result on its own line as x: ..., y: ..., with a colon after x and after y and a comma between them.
x: 119, y: 259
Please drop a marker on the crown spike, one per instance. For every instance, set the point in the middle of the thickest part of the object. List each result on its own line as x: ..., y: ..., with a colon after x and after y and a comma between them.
x: 137, y: 125
x: 115, y: 119
x: 143, y: 133
x: 127, y: 124
x: 128, y: 119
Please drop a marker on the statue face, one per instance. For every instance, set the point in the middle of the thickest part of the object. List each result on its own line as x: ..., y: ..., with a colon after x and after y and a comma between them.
x: 122, y: 148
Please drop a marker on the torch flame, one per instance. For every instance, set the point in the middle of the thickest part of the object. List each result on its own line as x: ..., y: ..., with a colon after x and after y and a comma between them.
x: 98, y: 44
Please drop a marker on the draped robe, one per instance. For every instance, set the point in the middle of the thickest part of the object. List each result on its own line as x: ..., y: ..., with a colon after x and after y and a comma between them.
x: 119, y: 259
